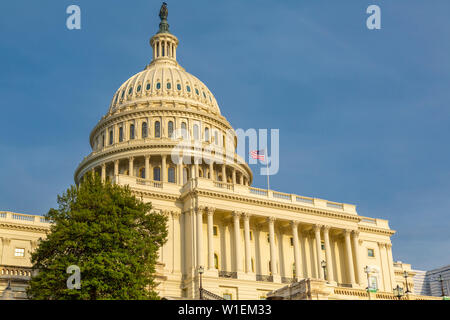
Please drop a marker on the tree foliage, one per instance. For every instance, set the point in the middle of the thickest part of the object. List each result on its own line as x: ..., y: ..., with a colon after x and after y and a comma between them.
x: 107, y: 232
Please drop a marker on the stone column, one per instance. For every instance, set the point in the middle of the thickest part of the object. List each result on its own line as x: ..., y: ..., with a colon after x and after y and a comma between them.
x: 318, y: 250
x: 384, y: 272
x: 248, y: 259
x: 116, y: 167
x: 224, y: 173
x: 196, y: 170
x: 273, y: 255
x: 390, y: 263
x: 103, y: 172
x: 237, y: 241
x: 180, y: 173
x: 348, y: 250
x: 241, y: 179
x: 298, y: 270
x: 199, y: 237
x: 359, y: 269
x: 130, y: 166
x: 163, y: 168
x: 234, y: 176
x: 147, y: 167
x: 326, y: 237
x: 210, y: 212
x: 211, y: 170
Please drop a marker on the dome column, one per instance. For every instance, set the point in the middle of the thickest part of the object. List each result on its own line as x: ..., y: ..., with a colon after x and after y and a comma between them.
x: 234, y: 176
x: 147, y: 167
x: 224, y: 173
x: 163, y: 168
x: 116, y: 167
x: 103, y: 172
x: 130, y: 166
x: 211, y: 170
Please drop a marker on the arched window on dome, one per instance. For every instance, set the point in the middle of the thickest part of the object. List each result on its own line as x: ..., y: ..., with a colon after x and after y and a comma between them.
x: 131, y: 131
x: 103, y: 141
x: 178, y: 87
x: 157, y: 129
x: 120, y: 134
x: 207, y: 134
x: 157, y: 174
x: 170, y: 129
x: 142, y: 173
x: 144, y: 130
x: 169, y: 85
x: 111, y: 137
x: 171, y: 175
x: 158, y: 85
x: 188, y: 88
x: 183, y: 130
x: 196, y: 133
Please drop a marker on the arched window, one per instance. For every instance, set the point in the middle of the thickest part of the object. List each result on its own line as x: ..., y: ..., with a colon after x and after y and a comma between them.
x: 216, y: 261
x: 188, y: 89
x: 171, y: 175
x: 144, y: 130
x: 169, y: 86
x: 132, y: 131
x: 170, y: 129
x: 216, y: 137
x: 157, y: 129
x: 110, y: 137
x: 195, y: 131
x: 206, y: 134
x: 183, y: 130
x: 142, y: 173
x: 120, y: 134
x: 158, y: 85
x: 156, y: 174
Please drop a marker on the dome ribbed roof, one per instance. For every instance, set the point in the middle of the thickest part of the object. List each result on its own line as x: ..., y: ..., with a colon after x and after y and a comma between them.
x: 162, y: 80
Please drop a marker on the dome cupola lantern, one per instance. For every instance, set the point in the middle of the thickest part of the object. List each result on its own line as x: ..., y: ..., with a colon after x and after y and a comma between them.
x: 164, y: 43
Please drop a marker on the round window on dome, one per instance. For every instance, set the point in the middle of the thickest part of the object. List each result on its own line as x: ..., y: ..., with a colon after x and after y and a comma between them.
x: 188, y: 89
x: 148, y: 86
x: 169, y: 85
x: 158, y: 85
x: 179, y: 86
x: 139, y: 88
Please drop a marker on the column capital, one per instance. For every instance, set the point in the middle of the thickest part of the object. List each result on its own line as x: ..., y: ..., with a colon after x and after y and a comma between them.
x: 317, y: 227
x: 116, y: 161
x: 147, y: 156
x: 131, y: 158
x: 236, y: 214
x: 103, y: 165
x: 175, y: 214
x: 270, y: 219
x: 347, y: 232
x: 388, y: 245
x: 246, y: 215
x: 381, y: 244
x: 326, y: 228
x: 210, y: 210
x: 355, y: 233
x: 294, y: 223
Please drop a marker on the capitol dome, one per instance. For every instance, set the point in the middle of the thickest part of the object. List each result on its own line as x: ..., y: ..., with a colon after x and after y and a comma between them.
x: 148, y: 116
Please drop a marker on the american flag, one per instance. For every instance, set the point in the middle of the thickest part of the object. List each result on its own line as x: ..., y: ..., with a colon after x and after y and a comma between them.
x: 257, y: 154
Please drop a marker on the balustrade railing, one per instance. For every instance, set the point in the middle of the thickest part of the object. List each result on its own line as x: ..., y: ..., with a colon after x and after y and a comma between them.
x: 259, y: 192
x: 208, y: 295
x: 287, y: 280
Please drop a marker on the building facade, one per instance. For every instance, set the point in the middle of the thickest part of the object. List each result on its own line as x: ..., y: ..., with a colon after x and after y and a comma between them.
x: 165, y: 137
x: 435, y: 282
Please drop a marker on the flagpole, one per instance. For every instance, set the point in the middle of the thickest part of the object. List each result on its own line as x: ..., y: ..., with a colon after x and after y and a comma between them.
x: 267, y: 173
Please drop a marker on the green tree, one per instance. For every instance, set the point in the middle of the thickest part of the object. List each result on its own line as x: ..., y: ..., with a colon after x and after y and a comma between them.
x: 107, y: 232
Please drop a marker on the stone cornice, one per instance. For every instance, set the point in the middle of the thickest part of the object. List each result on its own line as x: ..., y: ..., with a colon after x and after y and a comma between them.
x: 24, y: 227
x: 387, y: 232
x: 274, y: 204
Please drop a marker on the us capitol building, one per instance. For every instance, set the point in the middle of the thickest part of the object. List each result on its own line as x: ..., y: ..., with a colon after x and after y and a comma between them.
x: 247, y: 243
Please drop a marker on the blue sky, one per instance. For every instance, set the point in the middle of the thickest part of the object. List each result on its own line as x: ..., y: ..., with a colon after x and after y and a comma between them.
x: 364, y: 115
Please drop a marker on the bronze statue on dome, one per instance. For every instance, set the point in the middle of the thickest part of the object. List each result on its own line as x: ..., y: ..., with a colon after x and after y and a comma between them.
x: 163, y: 12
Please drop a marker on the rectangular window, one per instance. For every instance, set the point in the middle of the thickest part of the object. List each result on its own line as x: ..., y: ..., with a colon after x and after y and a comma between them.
x: 19, y: 252
x: 215, y: 231
x: 370, y: 253
x: 322, y: 245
